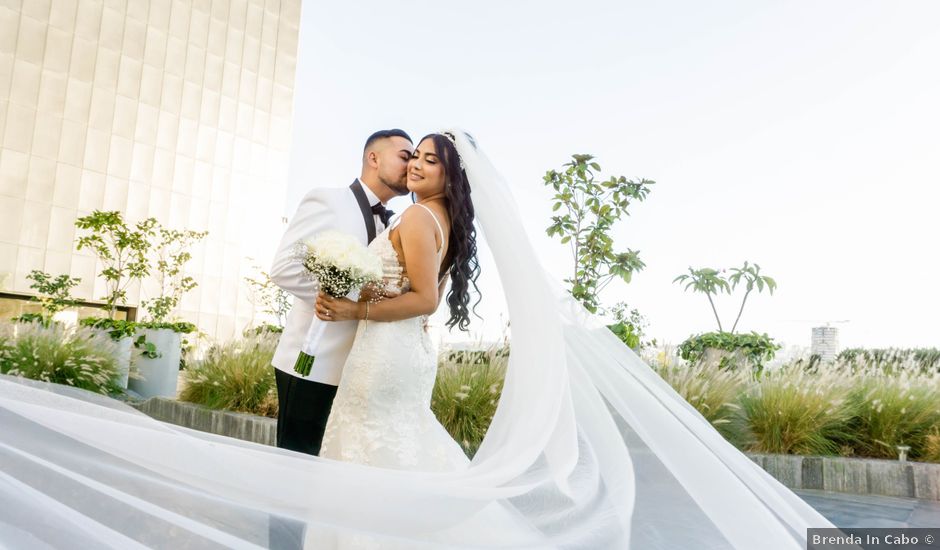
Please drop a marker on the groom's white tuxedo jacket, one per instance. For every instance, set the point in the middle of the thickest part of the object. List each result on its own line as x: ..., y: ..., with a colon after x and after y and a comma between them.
x: 320, y: 210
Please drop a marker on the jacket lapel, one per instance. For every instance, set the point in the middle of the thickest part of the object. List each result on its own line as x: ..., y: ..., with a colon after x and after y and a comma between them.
x: 365, y: 208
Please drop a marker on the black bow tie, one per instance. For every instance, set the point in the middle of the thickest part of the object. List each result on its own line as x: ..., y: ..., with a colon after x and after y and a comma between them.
x: 383, y: 213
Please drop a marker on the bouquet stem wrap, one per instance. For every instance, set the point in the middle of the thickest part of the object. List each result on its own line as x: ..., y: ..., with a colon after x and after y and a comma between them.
x: 338, y: 263
x: 307, y: 354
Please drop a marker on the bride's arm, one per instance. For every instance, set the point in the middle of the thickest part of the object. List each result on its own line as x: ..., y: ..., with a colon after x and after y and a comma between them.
x: 419, y: 246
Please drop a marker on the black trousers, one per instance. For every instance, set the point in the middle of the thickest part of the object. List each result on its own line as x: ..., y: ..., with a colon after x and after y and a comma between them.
x: 303, y: 409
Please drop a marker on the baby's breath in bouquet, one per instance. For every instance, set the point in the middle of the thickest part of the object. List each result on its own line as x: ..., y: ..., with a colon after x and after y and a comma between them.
x: 339, y: 264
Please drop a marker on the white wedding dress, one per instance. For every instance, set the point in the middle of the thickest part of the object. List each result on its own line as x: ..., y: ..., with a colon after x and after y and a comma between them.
x: 381, y: 415
x: 589, y: 448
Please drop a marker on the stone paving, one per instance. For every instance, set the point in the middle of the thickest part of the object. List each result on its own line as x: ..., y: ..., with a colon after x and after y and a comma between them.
x: 846, y: 510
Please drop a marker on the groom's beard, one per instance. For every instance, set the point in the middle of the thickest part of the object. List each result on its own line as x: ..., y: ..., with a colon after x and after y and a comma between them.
x: 399, y: 187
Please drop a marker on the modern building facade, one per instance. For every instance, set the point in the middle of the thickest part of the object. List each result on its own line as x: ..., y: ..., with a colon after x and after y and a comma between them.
x: 825, y: 343
x: 174, y: 109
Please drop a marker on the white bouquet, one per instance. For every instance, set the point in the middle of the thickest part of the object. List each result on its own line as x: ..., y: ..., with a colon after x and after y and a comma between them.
x: 339, y: 263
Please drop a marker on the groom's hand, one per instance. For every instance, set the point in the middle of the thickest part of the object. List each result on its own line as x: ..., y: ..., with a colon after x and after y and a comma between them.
x: 337, y: 309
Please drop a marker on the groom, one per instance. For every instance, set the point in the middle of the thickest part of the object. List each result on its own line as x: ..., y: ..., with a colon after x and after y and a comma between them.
x: 359, y: 210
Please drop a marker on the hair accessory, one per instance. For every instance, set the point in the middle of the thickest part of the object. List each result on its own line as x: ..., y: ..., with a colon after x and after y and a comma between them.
x: 453, y: 139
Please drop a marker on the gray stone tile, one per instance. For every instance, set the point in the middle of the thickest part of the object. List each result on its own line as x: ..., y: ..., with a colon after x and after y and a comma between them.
x: 873, y: 511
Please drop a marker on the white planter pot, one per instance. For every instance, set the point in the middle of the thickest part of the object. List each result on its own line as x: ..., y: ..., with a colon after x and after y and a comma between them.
x: 122, y: 353
x: 124, y: 348
x: 157, y: 377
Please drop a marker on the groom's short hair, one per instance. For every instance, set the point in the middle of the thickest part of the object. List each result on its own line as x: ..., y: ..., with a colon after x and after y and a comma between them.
x: 383, y: 134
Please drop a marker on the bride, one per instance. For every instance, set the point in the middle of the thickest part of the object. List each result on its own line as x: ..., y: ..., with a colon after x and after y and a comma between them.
x: 589, y: 447
x: 382, y: 412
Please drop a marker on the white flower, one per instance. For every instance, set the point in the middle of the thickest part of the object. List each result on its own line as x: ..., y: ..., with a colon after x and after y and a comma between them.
x: 339, y: 262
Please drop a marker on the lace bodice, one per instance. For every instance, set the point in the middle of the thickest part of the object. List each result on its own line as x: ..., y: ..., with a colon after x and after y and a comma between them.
x: 394, y: 278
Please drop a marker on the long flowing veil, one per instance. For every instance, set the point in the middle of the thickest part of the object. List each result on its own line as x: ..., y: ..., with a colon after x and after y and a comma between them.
x: 589, y: 448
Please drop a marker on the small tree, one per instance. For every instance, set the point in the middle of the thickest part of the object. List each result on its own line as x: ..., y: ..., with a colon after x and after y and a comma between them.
x: 54, y: 293
x: 753, y: 279
x: 121, y: 248
x: 172, y: 253
x: 753, y: 348
x: 274, y: 300
x: 711, y: 282
x: 591, y: 208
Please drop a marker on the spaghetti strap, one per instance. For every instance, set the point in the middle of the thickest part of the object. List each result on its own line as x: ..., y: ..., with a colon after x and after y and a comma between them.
x: 439, y: 228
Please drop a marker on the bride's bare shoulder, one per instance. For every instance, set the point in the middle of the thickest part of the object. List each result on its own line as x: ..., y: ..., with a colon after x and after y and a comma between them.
x: 416, y: 216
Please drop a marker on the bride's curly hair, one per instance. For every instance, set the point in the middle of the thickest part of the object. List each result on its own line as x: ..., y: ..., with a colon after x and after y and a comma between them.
x: 461, y: 259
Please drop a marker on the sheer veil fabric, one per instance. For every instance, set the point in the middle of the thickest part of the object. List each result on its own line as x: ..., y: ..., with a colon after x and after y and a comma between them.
x: 589, y: 449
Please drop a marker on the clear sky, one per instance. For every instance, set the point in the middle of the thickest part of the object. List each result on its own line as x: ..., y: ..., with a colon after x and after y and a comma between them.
x: 804, y: 136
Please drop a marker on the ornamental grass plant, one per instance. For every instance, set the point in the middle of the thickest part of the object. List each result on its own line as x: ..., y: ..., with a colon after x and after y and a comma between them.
x: 467, y: 392
x: 713, y: 391
x: 235, y: 376
x: 792, y: 411
x: 894, y: 409
x: 73, y: 356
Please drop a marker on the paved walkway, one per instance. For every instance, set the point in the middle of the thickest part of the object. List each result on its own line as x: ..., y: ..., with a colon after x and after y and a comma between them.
x: 873, y: 511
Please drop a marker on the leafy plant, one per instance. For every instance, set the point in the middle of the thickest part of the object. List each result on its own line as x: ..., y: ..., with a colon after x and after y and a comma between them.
x: 629, y: 327
x: 147, y: 349
x: 78, y: 357
x: 30, y: 318
x: 274, y: 300
x: 236, y: 376
x: 122, y: 249
x: 751, y: 349
x: 590, y: 209
x: 54, y: 293
x: 172, y: 252
x: 116, y: 328
x: 182, y: 327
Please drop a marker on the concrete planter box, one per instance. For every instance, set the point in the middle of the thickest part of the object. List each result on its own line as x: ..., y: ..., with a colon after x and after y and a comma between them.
x: 247, y: 427
x: 860, y: 476
x: 157, y: 377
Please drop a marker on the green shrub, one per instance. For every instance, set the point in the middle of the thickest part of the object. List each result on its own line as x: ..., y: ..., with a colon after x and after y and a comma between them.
x: 116, y: 328
x: 79, y: 356
x: 796, y: 412
x: 236, y: 376
x: 748, y: 350
x: 466, y: 393
x: 182, y: 327
x: 895, y: 409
